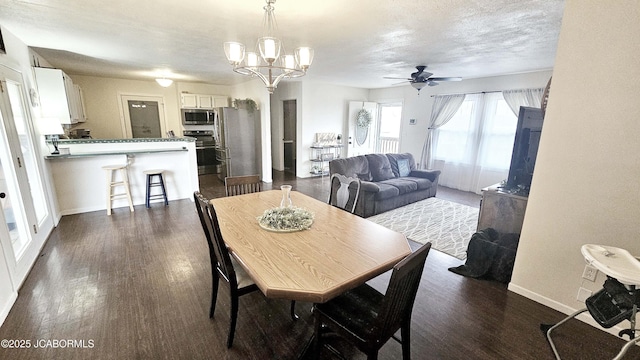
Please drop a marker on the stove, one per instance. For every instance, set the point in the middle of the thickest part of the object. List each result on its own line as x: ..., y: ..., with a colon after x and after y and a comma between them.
x: 205, y: 151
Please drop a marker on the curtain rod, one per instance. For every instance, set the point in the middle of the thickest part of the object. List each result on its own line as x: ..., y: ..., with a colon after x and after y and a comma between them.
x: 485, y: 92
x: 472, y: 93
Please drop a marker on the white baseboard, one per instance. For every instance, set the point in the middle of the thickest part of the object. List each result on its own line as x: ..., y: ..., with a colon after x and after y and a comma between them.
x: 584, y: 317
x: 7, y: 307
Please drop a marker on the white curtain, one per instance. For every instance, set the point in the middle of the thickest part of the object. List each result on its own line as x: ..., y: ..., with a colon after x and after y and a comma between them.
x: 525, y: 97
x: 444, y: 107
x: 473, y: 150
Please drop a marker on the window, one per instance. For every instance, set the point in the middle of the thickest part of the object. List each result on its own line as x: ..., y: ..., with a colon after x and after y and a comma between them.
x: 473, y: 149
x: 389, y: 134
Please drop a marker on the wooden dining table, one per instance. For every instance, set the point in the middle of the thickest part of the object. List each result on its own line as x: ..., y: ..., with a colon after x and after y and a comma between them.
x: 340, y: 251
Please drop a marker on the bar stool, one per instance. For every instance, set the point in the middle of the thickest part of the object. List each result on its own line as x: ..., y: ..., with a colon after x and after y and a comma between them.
x: 160, y: 182
x: 111, y: 184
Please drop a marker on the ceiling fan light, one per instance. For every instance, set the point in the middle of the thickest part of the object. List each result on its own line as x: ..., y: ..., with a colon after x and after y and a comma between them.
x: 164, y: 82
x: 418, y: 85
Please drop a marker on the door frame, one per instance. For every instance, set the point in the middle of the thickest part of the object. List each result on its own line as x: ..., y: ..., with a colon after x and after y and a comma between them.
x: 125, y: 120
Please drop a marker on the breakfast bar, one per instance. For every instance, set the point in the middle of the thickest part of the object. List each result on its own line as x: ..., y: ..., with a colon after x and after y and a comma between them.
x: 79, y: 179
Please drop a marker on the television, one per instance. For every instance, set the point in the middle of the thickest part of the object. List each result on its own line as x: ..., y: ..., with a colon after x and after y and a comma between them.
x: 525, y: 149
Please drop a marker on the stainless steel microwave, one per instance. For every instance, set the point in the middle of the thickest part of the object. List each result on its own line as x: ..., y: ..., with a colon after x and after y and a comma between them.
x: 197, y: 117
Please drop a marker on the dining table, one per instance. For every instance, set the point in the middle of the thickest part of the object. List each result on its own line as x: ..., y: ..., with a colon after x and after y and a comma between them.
x: 339, y: 252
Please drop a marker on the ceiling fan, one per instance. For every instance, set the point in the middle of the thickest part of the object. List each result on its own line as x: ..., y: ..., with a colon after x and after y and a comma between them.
x: 421, y: 78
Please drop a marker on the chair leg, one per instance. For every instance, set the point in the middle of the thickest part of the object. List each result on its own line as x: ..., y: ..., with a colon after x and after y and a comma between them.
x: 316, y: 337
x: 373, y: 355
x: 234, y: 318
x: 294, y: 316
x: 214, y: 295
x: 405, y: 332
x: 148, y: 191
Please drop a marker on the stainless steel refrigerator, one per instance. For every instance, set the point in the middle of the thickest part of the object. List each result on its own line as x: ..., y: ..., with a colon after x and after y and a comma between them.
x: 236, y: 133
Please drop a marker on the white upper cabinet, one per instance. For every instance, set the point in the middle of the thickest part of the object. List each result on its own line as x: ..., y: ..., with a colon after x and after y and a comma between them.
x: 59, y: 97
x: 203, y: 101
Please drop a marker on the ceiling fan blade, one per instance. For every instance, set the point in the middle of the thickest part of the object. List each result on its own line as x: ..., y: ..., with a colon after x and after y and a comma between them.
x: 395, y: 78
x: 445, y: 79
x: 432, y: 83
x: 402, y: 82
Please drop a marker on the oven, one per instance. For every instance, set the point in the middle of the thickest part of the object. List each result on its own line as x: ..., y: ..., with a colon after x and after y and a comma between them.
x: 205, y: 151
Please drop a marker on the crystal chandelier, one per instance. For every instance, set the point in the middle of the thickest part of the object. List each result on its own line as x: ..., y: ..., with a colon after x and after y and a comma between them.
x: 269, y: 61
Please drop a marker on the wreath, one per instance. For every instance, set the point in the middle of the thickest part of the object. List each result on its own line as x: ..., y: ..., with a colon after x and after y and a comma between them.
x: 363, y: 118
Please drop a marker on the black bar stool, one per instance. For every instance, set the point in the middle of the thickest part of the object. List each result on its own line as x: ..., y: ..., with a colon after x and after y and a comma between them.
x: 160, y: 182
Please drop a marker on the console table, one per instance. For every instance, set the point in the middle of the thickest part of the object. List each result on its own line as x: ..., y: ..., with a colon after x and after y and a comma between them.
x: 501, y: 210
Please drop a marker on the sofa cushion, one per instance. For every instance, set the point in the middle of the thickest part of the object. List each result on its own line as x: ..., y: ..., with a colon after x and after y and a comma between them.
x: 393, y: 161
x: 379, y: 167
x: 386, y: 191
x: 401, y: 184
x: 356, y: 166
x: 403, y: 167
x: 422, y: 183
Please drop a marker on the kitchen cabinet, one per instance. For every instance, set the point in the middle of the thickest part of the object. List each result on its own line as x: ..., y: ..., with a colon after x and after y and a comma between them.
x: 202, y: 101
x: 60, y: 98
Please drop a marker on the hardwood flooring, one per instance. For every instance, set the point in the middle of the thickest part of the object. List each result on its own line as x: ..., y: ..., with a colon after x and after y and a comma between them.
x: 138, y: 286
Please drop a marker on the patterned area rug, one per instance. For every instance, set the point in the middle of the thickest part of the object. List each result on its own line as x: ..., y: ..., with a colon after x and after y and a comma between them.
x: 446, y: 224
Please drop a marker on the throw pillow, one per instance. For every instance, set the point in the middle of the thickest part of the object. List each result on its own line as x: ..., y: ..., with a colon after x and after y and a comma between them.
x: 403, y: 167
x: 379, y: 167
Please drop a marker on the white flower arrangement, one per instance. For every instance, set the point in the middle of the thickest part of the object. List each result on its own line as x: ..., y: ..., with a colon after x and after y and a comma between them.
x: 363, y: 118
x: 286, y: 219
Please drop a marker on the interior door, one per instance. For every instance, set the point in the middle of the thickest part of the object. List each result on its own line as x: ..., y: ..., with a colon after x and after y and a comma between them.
x: 142, y: 116
x: 289, y: 137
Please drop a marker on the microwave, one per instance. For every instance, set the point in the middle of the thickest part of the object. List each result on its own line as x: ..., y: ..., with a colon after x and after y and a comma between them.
x: 197, y: 117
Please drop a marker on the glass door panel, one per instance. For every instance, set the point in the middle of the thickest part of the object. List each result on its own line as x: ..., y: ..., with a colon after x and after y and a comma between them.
x: 18, y: 109
x: 10, y: 199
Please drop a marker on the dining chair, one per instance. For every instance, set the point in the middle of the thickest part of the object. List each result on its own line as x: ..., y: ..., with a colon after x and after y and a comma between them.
x: 367, y: 318
x: 342, y: 194
x: 238, y: 185
x: 224, y: 266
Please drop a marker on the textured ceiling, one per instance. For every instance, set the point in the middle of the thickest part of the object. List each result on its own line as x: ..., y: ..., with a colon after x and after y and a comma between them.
x: 356, y: 43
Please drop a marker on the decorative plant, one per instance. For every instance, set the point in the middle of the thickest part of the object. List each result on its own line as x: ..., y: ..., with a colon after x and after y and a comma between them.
x: 363, y: 118
x: 286, y: 218
x: 247, y: 103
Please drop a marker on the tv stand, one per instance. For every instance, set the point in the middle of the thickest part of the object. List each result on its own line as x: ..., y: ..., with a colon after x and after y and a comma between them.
x: 502, y: 210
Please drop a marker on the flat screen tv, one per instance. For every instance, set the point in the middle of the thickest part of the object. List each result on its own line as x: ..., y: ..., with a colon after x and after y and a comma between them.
x: 525, y: 149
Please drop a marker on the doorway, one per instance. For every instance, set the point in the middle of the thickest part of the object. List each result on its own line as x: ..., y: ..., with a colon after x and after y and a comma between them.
x: 142, y: 116
x: 289, y: 110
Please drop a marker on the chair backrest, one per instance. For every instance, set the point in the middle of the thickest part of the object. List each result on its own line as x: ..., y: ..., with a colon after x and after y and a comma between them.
x: 238, y: 185
x: 220, y: 258
x: 341, y: 196
x: 401, y: 293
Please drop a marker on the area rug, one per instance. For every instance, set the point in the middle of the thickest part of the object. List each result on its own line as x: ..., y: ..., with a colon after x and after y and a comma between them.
x: 446, y: 224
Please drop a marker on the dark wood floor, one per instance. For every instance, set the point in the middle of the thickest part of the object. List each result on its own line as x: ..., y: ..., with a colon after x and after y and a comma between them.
x: 137, y: 285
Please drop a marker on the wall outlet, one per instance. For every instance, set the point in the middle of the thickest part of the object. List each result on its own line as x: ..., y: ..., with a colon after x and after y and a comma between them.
x: 589, y: 273
x: 583, y: 294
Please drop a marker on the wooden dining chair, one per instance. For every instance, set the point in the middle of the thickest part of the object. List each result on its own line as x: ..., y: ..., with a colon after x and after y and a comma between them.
x: 238, y: 185
x: 343, y: 194
x: 223, y: 265
x: 367, y: 318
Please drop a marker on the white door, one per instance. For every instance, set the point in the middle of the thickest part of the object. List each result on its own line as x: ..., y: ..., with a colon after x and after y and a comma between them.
x: 362, y: 140
x: 147, y: 125
x: 25, y: 212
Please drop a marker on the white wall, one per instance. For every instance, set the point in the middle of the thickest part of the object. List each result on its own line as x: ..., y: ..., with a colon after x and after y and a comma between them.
x: 324, y: 108
x: 585, y: 188
x: 418, y: 107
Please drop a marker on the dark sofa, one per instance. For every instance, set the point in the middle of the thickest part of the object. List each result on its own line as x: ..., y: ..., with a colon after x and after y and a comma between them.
x: 388, y: 181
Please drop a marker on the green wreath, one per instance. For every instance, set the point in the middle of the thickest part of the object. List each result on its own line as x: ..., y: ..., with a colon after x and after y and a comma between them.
x: 363, y: 118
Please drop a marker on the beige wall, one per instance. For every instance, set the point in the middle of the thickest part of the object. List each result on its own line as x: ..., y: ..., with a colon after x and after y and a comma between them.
x: 585, y: 188
x: 102, y: 102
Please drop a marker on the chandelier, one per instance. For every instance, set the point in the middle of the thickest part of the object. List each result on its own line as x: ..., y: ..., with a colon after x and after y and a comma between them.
x: 269, y: 60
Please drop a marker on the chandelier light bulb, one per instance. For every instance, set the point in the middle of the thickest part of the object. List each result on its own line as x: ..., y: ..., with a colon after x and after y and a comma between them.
x: 234, y: 52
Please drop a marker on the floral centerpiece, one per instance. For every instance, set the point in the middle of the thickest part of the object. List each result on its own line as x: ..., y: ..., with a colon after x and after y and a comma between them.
x: 283, y: 219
